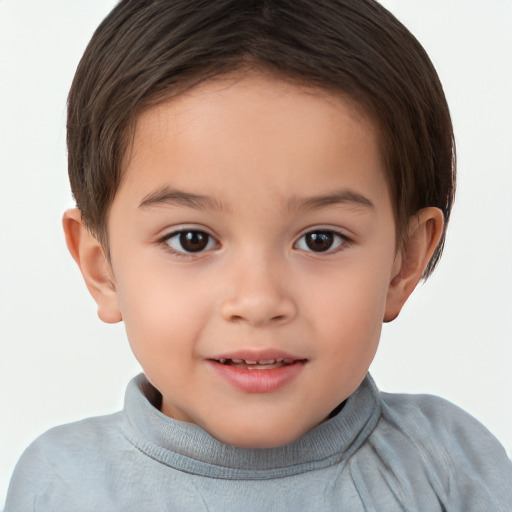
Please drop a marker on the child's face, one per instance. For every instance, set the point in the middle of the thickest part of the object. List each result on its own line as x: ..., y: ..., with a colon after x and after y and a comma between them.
x: 253, y: 223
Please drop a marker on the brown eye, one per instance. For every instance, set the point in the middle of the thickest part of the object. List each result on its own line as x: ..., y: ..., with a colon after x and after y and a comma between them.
x: 193, y: 241
x: 320, y: 241
x: 190, y: 241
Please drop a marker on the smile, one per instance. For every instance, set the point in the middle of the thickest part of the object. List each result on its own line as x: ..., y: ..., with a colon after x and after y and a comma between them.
x: 263, y: 364
x: 258, y: 375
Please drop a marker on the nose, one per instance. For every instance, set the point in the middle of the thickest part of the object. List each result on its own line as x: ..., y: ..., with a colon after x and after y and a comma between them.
x: 258, y: 294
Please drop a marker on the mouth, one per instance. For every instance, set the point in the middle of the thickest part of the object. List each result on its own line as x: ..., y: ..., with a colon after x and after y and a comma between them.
x: 261, y: 364
x: 258, y: 372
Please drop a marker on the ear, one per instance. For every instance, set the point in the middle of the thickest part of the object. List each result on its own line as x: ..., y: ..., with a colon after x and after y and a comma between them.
x: 94, y: 265
x: 424, y: 233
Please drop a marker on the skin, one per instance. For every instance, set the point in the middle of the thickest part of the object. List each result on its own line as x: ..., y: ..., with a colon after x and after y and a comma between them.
x: 272, y: 162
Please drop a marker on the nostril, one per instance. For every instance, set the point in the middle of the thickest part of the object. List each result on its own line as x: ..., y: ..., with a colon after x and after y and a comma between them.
x: 258, y: 309
x: 272, y: 319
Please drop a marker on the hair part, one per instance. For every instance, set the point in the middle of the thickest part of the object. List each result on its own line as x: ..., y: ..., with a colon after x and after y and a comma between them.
x: 147, y: 51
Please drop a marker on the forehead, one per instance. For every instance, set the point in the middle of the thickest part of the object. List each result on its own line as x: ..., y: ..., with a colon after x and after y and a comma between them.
x: 256, y: 131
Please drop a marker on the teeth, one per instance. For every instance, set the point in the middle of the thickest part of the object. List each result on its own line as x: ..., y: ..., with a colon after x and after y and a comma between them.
x: 261, y: 362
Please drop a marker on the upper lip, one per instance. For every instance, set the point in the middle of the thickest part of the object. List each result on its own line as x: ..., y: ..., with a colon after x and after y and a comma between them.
x: 260, y: 356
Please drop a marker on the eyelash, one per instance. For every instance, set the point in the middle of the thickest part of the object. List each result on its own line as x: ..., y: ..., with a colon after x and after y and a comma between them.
x: 339, y: 241
x: 166, y: 241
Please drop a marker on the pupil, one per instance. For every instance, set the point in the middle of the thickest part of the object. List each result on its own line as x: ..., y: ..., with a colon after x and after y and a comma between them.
x: 193, y: 241
x: 320, y: 241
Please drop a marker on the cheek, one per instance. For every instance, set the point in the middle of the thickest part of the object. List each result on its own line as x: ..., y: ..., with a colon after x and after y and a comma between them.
x: 350, y: 293
x: 162, y: 310
x: 348, y: 310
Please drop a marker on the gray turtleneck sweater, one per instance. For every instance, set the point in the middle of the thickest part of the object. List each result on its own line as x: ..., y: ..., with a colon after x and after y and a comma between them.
x: 381, y: 453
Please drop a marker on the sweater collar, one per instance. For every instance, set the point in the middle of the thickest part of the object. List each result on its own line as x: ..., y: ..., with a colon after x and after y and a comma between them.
x: 189, y: 448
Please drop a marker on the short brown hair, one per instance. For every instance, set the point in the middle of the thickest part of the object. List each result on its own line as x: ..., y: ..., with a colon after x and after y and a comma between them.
x: 148, y: 50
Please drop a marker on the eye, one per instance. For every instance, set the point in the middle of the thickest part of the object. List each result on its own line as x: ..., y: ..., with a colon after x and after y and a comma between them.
x: 190, y: 241
x: 321, y: 240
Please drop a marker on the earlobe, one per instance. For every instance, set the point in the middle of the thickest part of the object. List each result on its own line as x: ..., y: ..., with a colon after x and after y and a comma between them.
x: 424, y: 233
x: 94, y: 265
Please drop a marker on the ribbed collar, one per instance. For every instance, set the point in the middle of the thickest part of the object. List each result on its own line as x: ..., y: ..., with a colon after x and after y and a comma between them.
x: 189, y: 448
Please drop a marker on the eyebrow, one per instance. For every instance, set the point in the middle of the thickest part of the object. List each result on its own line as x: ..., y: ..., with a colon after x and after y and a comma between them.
x: 174, y: 197
x: 341, y: 197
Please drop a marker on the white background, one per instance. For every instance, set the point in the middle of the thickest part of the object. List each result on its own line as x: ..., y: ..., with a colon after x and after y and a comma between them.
x: 59, y: 363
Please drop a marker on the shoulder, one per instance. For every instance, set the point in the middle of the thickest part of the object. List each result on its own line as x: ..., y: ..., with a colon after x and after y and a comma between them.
x: 455, y: 449
x: 88, y: 439
x: 76, y: 451
x: 435, y: 420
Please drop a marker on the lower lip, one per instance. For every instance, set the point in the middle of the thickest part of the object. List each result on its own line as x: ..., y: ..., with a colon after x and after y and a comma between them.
x: 258, y: 381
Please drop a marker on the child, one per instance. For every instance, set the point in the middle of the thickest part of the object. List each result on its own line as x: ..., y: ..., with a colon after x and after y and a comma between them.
x: 259, y: 185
